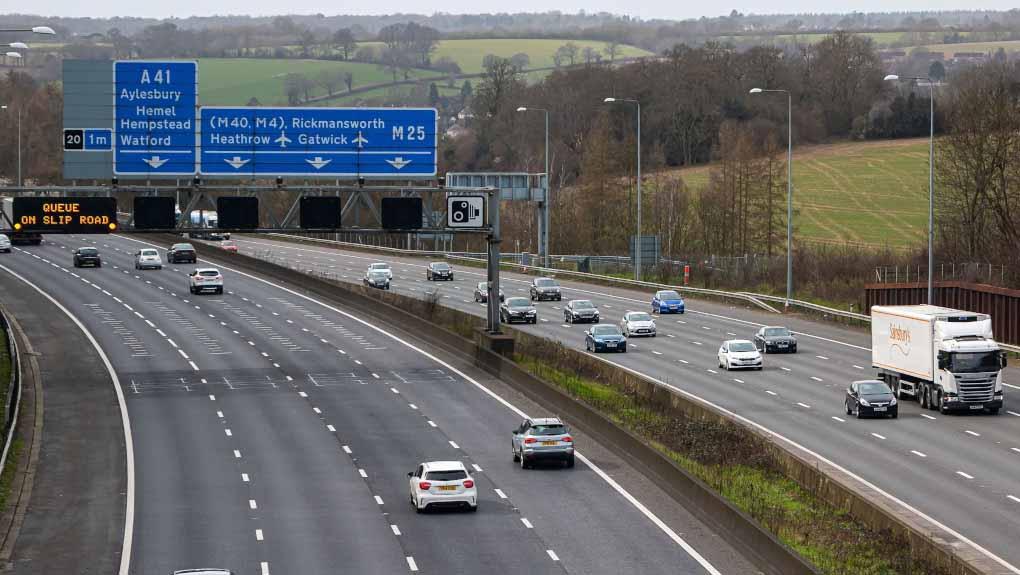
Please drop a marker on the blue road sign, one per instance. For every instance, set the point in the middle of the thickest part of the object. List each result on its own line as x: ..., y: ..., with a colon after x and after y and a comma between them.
x: 154, y: 120
x: 318, y: 142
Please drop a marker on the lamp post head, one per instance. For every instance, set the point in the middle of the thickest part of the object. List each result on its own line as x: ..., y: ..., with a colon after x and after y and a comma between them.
x: 891, y: 78
x: 609, y: 100
x: 18, y: 45
x: 755, y: 91
x: 43, y: 30
x: 522, y: 109
x: 13, y: 55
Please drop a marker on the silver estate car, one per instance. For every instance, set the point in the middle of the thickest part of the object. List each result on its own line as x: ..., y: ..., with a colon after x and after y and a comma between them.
x: 543, y: 438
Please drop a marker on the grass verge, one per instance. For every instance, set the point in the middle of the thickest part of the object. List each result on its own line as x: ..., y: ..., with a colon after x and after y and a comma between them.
x: 745, y: 473
x: 7, y: 477
x: 5, y: 370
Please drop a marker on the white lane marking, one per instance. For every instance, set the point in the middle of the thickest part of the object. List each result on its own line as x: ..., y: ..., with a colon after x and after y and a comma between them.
x: 412, y: 406
x: 252, y: 504
x: 258, y: 535
x: 1011, y: 385
x: 378, y: 500
x: 839, y: 419
x: 276, y: 365
x: 500, y: 493
x: 738, y: 380
x: 362, y: 473
x: 1013, y: 413
x: 302, y: 394
x: 696, y: 343
x: 785, y: 368
x: 395, y: 390
x: 477, y: 468
x: 152, y: 325
x: 454, y: 445
x: 598, y: 470
x: 129, y: 446
x: 237, y: 454
x: 322, y: 340
x: 670, y: 335
x: 265, y: 567
x: 212, y: 397
x: 552, y: 554
x: 251, y: 343
x: 818, y: 456
x: 331, y: 428
x: 1016, y: 449
x: 974, y: 433
x: 965, y: 475
x: 396, y: 530
x: 375, y: 375
x: 926, y: 416
x: 711, y: 371
x: 193, y: 366
x: 877, y: 435
x: 317, y: 410
x: 244, y: 478
x: 656, y: 352
x: 822, y: 357
x: 770, y: 392
x: 432, y: 423
x: 858, y: 367
x: 219, y: 414
x: 1015, y: 499
x: 264, y: 354
x: 527, y: 523
x: 228, y: 432
x: 171, y: 342
x: 160, y: 332
x: 411, y: 564
x: 347, y: 450
x: 804, y: 405
x: 683, y: 361
x: 358, y: 362
x: 918, y: 453
x: 184, y: 355
x: 816, y: 378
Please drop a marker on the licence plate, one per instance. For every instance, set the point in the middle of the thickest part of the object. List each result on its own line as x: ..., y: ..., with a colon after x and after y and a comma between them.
x: 881, y: 408
x: 672, y: 307
x: 548, y: 443
x: 611, y: 344
x: 782, y: 345
x: 447, y: 487
x: 976, y: 406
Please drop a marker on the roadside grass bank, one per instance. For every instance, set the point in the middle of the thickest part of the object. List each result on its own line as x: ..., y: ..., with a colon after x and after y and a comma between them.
x: 5, y: 368
x: 10, y: 470
x: 746, y: 473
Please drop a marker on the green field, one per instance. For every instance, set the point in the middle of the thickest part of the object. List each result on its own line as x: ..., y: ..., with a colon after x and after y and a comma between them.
x: 386, y: 95
x: 864, y: 193
x: 468, y: 54
x: 880, y: 38
x: 233, y: 81
x: 986, y: 47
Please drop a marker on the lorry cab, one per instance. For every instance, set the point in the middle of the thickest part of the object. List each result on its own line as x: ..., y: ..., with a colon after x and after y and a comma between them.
x: 947, y: 359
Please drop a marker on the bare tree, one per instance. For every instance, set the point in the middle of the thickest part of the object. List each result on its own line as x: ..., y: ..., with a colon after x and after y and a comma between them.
x: 329, y: 81
x: 349, y: 80
x: 613, y: 50
x: 344, y: 42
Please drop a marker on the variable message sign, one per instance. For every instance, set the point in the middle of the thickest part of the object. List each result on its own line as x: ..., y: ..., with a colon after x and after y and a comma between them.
x: 318, y: 142
x: 65, y: 215
x: 154, y: 118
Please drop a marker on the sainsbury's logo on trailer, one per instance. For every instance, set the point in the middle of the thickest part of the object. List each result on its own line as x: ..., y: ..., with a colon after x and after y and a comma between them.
x: 899, y: 338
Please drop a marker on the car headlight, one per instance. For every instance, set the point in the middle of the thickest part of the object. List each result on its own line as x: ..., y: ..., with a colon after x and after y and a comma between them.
x: 531, y: 312
x: 865, y: 403
x: 893, y: 402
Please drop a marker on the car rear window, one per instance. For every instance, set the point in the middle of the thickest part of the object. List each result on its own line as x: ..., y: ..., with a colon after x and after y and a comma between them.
x: 549, y: 430
x: 452, y: 475
x: 180, y: 247
x: 88, y: 251
x: 209, y: 273
x: 149, y: 252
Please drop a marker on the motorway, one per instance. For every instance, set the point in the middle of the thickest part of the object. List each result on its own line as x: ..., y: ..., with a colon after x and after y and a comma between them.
x: 962, y: 471
x: 272, y: 433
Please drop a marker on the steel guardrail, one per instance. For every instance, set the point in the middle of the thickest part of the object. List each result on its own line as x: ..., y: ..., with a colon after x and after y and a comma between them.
x: 13, y: 403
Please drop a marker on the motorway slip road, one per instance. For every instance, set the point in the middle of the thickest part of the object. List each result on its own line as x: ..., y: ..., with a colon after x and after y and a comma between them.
x: 273, y: 434
x: 961, y: 470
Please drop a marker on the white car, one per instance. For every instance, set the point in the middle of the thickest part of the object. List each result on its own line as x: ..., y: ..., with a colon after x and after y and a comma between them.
x: 5, y: 243
x: 637, y: 323
x: 148, y: 258
x: 739, y: 354
x: 205, y: 279
x: 442, y: 484
x: 381, y: 267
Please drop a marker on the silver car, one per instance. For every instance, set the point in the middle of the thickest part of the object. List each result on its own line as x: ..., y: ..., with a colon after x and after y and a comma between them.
x: 5, y: 243
x: 543, y: 438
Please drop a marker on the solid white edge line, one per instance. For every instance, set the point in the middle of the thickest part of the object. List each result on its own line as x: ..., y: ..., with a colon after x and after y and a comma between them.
x: 612, y: 483
x: 825, y: 460
x: 129, y: 446
x: 411, y: 564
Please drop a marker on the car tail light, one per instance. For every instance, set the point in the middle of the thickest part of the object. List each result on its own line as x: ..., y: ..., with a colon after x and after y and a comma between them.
x: 567, y: 439
x: 530, y: 440
x: 424, y: 485
x: 468, y: 484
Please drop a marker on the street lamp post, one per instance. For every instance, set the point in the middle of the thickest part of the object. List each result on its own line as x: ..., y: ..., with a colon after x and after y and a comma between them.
x: 4, y: 107
x: 789, y: 189
x: 34, y: 29
x: 931, y: 173
x: 637, y: 240
x: 548, y: 185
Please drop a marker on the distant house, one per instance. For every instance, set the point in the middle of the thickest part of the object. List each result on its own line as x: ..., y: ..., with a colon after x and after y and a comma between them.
x: 455, y: 131
x: 892, y: 55
x: 969, y: 56
x: 465, y: 114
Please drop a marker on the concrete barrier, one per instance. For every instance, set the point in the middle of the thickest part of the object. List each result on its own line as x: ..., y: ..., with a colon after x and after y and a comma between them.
x: 453, y: 331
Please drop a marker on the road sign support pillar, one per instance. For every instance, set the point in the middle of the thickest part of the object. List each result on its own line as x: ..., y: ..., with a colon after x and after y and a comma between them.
x: 494, y: 239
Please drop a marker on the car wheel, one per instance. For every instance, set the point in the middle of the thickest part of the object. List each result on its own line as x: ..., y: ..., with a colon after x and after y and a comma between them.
x: 514, y: 451
x: 473, y: 508
x: 559, y: 298
x: 623, y: 349
x: 849, y: 411
x: 524, y: 461
x: 418, y: 509
x: 570, y: 461
x: 857, y: 411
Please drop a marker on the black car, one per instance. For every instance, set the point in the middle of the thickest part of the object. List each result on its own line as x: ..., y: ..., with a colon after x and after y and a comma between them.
x: 439, y: 271
x: 87, y: 257
x: 578, y: 310
x: 545, y: 288
x: 482, y: 292
x: 870, y: 397
x: 517, y: 309
x: 181, y: 254
x: 376, y: 279
x: 773, y: 339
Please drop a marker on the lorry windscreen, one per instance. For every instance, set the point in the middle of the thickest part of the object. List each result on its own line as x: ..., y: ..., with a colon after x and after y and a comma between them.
x: 985, y: 361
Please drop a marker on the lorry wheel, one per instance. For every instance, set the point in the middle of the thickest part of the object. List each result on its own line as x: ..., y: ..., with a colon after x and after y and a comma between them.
x: 923, y: 398
x: 935, y: 401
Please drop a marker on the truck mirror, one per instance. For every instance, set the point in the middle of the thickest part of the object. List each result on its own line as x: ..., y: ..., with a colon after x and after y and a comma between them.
x: 1003, y: 359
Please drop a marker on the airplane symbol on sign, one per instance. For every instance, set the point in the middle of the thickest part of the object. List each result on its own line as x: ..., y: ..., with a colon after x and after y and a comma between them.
x: 283, y: 140
x: 360, y: 140
x: 236, y: 162
x: 155, y: 162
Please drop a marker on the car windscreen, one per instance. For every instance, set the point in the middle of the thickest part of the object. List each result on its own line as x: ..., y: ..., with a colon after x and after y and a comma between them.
x: 984, y: 361
x: 150, y: 253
x: 639, y: 317
x: 179, y: 247
x: 669, y: 295
x: 88, y: 252
x: 777, y: 331
x: 581, y: 304
x: 209, y: 273
x: 441, y: 266
x: 379, y: 267
x: 518, y: 302
x: 451, y: 475
x: 742, y: 346
x: 548, y: 430
x: 482, y: 287
x: 605, y: 330
x: 546, y: 282
x: 874, y: 388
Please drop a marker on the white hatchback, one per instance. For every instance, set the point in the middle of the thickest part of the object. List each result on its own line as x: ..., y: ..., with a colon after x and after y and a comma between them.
x: 148, y: 258
x: 205, y: 279
x: 442, y: 484
x: 637, y: 323
x: 5, y: 243
x: 381, y: 267
x: 739, y: 354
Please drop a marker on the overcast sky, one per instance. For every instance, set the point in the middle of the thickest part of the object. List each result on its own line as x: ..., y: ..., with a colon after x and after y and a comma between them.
x: 645, y: 9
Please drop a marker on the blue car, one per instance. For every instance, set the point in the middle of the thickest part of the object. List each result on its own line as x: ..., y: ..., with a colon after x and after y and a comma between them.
x: 667, y: 301
x: 604, y: 338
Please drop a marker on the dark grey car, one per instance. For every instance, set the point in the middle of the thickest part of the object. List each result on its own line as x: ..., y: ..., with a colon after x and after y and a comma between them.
x: 774, y: 339
x: 870, y: 397
x: 545, y: 288
x: 482, y: 292
x: 578, y: 310
x: 517, y: 309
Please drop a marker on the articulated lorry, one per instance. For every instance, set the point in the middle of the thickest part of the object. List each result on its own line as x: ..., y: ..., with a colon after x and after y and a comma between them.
x: 945, y: 358
x: 7, y: 223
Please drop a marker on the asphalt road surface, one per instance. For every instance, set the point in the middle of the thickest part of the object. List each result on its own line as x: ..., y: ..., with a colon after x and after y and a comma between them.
x: 273, y: 434
x: 961, y: 470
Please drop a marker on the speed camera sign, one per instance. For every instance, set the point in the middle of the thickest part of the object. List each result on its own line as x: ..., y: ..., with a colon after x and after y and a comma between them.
x: 465, y: 211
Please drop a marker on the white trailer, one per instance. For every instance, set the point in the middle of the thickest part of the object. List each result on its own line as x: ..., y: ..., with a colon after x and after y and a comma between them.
x: 945, y: 358
x: 7, y: 222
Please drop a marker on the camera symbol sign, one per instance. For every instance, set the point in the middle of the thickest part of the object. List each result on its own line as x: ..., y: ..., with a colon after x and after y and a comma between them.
x: 465, y: 211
